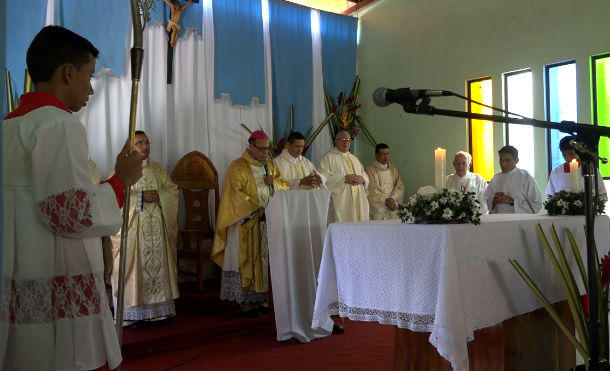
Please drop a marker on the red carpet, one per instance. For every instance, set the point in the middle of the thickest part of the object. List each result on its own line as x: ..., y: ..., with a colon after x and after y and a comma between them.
x: 208, y: 334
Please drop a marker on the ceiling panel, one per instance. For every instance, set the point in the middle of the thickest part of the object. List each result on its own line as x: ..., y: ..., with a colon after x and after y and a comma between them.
x: 334, y: 6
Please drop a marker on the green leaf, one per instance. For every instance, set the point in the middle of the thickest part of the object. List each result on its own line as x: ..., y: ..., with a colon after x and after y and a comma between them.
x: 573, y: 303
x: 246, y: 128
x: 578, y: 257
x: 581, y: 348
x: 318, y: 130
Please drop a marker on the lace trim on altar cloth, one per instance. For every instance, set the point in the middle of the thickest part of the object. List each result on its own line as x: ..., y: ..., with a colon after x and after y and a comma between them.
x: 68, y: 212
x: 230, y: 289
x: 45, y: 300
x: 150, y: 311
x: 414, y: 322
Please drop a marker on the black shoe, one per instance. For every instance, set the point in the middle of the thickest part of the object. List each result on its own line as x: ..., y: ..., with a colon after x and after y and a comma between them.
x: 263, y: 310
x: 338, y: 329
x: 135, y: 325
x: 252, y: 313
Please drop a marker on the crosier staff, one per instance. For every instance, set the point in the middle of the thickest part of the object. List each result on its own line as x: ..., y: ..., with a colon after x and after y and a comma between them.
x: 139, y: 9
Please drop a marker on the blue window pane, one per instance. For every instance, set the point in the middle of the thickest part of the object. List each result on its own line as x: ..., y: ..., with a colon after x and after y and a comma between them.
x: 561, y: 104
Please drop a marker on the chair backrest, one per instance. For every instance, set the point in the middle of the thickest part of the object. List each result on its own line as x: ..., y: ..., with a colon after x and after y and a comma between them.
x: 197, y: 177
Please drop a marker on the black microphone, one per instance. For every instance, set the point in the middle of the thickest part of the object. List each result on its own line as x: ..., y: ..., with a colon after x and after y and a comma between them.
x: 382, y: 96
x: 266, y: 166
x: 584, y: 148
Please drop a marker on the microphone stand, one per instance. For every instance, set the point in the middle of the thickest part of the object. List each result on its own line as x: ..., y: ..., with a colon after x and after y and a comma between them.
x: 589, y: 134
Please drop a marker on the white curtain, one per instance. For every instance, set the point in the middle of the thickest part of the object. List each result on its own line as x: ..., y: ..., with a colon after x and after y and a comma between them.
x: 323, y: 142
x: 180, y: 117
x: 184, y: 116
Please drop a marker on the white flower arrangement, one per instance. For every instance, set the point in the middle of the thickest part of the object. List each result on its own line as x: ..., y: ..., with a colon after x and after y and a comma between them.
x: 572, y: 203
x: 431, y: 205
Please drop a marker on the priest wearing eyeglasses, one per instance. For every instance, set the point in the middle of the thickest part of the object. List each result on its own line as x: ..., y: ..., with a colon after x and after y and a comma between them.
x: 240, y: 241
x: 347, y: 180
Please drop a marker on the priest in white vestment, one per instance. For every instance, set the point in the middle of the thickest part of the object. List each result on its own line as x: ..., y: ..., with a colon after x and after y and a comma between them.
x: 386, y: 189
x: 295, y: 168
x: 560, y: 177
x: 513, y: 190
x: 151, y: 276
x: 465, y: 181
x: 55, y: 313
x: 347, y: 180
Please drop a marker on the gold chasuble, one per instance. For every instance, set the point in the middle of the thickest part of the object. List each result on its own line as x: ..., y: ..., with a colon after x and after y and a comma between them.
x: 385, y: 182
x: 151, y: 275
x: 238, y: 204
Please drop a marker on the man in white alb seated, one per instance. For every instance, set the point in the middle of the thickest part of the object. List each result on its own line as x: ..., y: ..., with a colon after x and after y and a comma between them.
x: 465, y: 181
x: 513, y: 190
x: 559, y: 179
x: 347, y: 180
x: 386, y: 189
x: 295, y: 168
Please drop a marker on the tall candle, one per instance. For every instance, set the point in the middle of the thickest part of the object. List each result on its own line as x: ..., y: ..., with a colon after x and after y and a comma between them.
x: 574, y: 176
x: 439, y: 167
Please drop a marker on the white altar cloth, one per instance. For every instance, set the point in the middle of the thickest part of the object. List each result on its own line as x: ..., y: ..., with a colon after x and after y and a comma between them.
x: 449, y: 279
x: 296, y: 226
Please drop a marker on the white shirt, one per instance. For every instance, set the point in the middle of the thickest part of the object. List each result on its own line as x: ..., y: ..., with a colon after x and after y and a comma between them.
x: 520, y: 186
x: 559, y: 180
x: 470, y: 182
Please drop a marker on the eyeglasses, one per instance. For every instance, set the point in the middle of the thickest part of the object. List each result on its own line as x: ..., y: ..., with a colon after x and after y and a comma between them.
x: 263, y: 149
x: 142, y: 142
x: 346, y: 140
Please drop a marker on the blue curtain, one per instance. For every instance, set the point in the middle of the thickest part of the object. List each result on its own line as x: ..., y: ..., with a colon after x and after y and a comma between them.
x: 338, y: 34
x: 3, y: 107
x: 292, y: 71
x: 104, y: 23
x: 24, y: 18
x: 239, y: 59
x: 3, y: 111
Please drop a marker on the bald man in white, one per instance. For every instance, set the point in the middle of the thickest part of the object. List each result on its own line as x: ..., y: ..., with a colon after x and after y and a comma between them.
x: 465, y: 181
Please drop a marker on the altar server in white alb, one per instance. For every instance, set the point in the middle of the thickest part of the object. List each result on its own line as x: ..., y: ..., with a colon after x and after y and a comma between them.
x: 55, y: 313
x: 386, y: 189
x: 347, y: 180
x: 513, y: 190
x: 465, y: 181
x: 296, y: 169
x: 559, y: 179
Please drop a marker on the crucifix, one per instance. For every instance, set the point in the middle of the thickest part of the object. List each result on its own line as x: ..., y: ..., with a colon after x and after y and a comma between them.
x: 173, y: 27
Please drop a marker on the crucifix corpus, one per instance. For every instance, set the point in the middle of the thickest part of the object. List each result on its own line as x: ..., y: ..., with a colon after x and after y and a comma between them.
x: 173, y: 23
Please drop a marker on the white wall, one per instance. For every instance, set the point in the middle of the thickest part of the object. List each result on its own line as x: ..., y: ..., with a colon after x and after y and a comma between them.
x: 440, y: 44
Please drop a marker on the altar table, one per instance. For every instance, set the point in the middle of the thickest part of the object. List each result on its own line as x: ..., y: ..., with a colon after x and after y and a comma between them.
x: 448, y: 280
x: 296, y: 226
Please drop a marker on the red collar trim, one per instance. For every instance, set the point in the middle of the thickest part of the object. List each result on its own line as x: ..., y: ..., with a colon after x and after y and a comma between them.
x: 31, y: 101
x: 566, y: 166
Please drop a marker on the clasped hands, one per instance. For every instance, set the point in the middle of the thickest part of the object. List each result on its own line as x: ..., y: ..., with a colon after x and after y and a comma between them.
x: 501, y: 198
x: 313, y: 180
x: 150, y: 196
x: 390, y: 203
x: 353, y: 179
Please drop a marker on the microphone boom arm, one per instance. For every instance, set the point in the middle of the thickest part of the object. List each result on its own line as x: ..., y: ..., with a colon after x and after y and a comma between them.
x: 591, y: 134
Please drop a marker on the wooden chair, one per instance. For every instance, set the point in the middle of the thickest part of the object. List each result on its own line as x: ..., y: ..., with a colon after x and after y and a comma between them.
x: 197, y: 177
